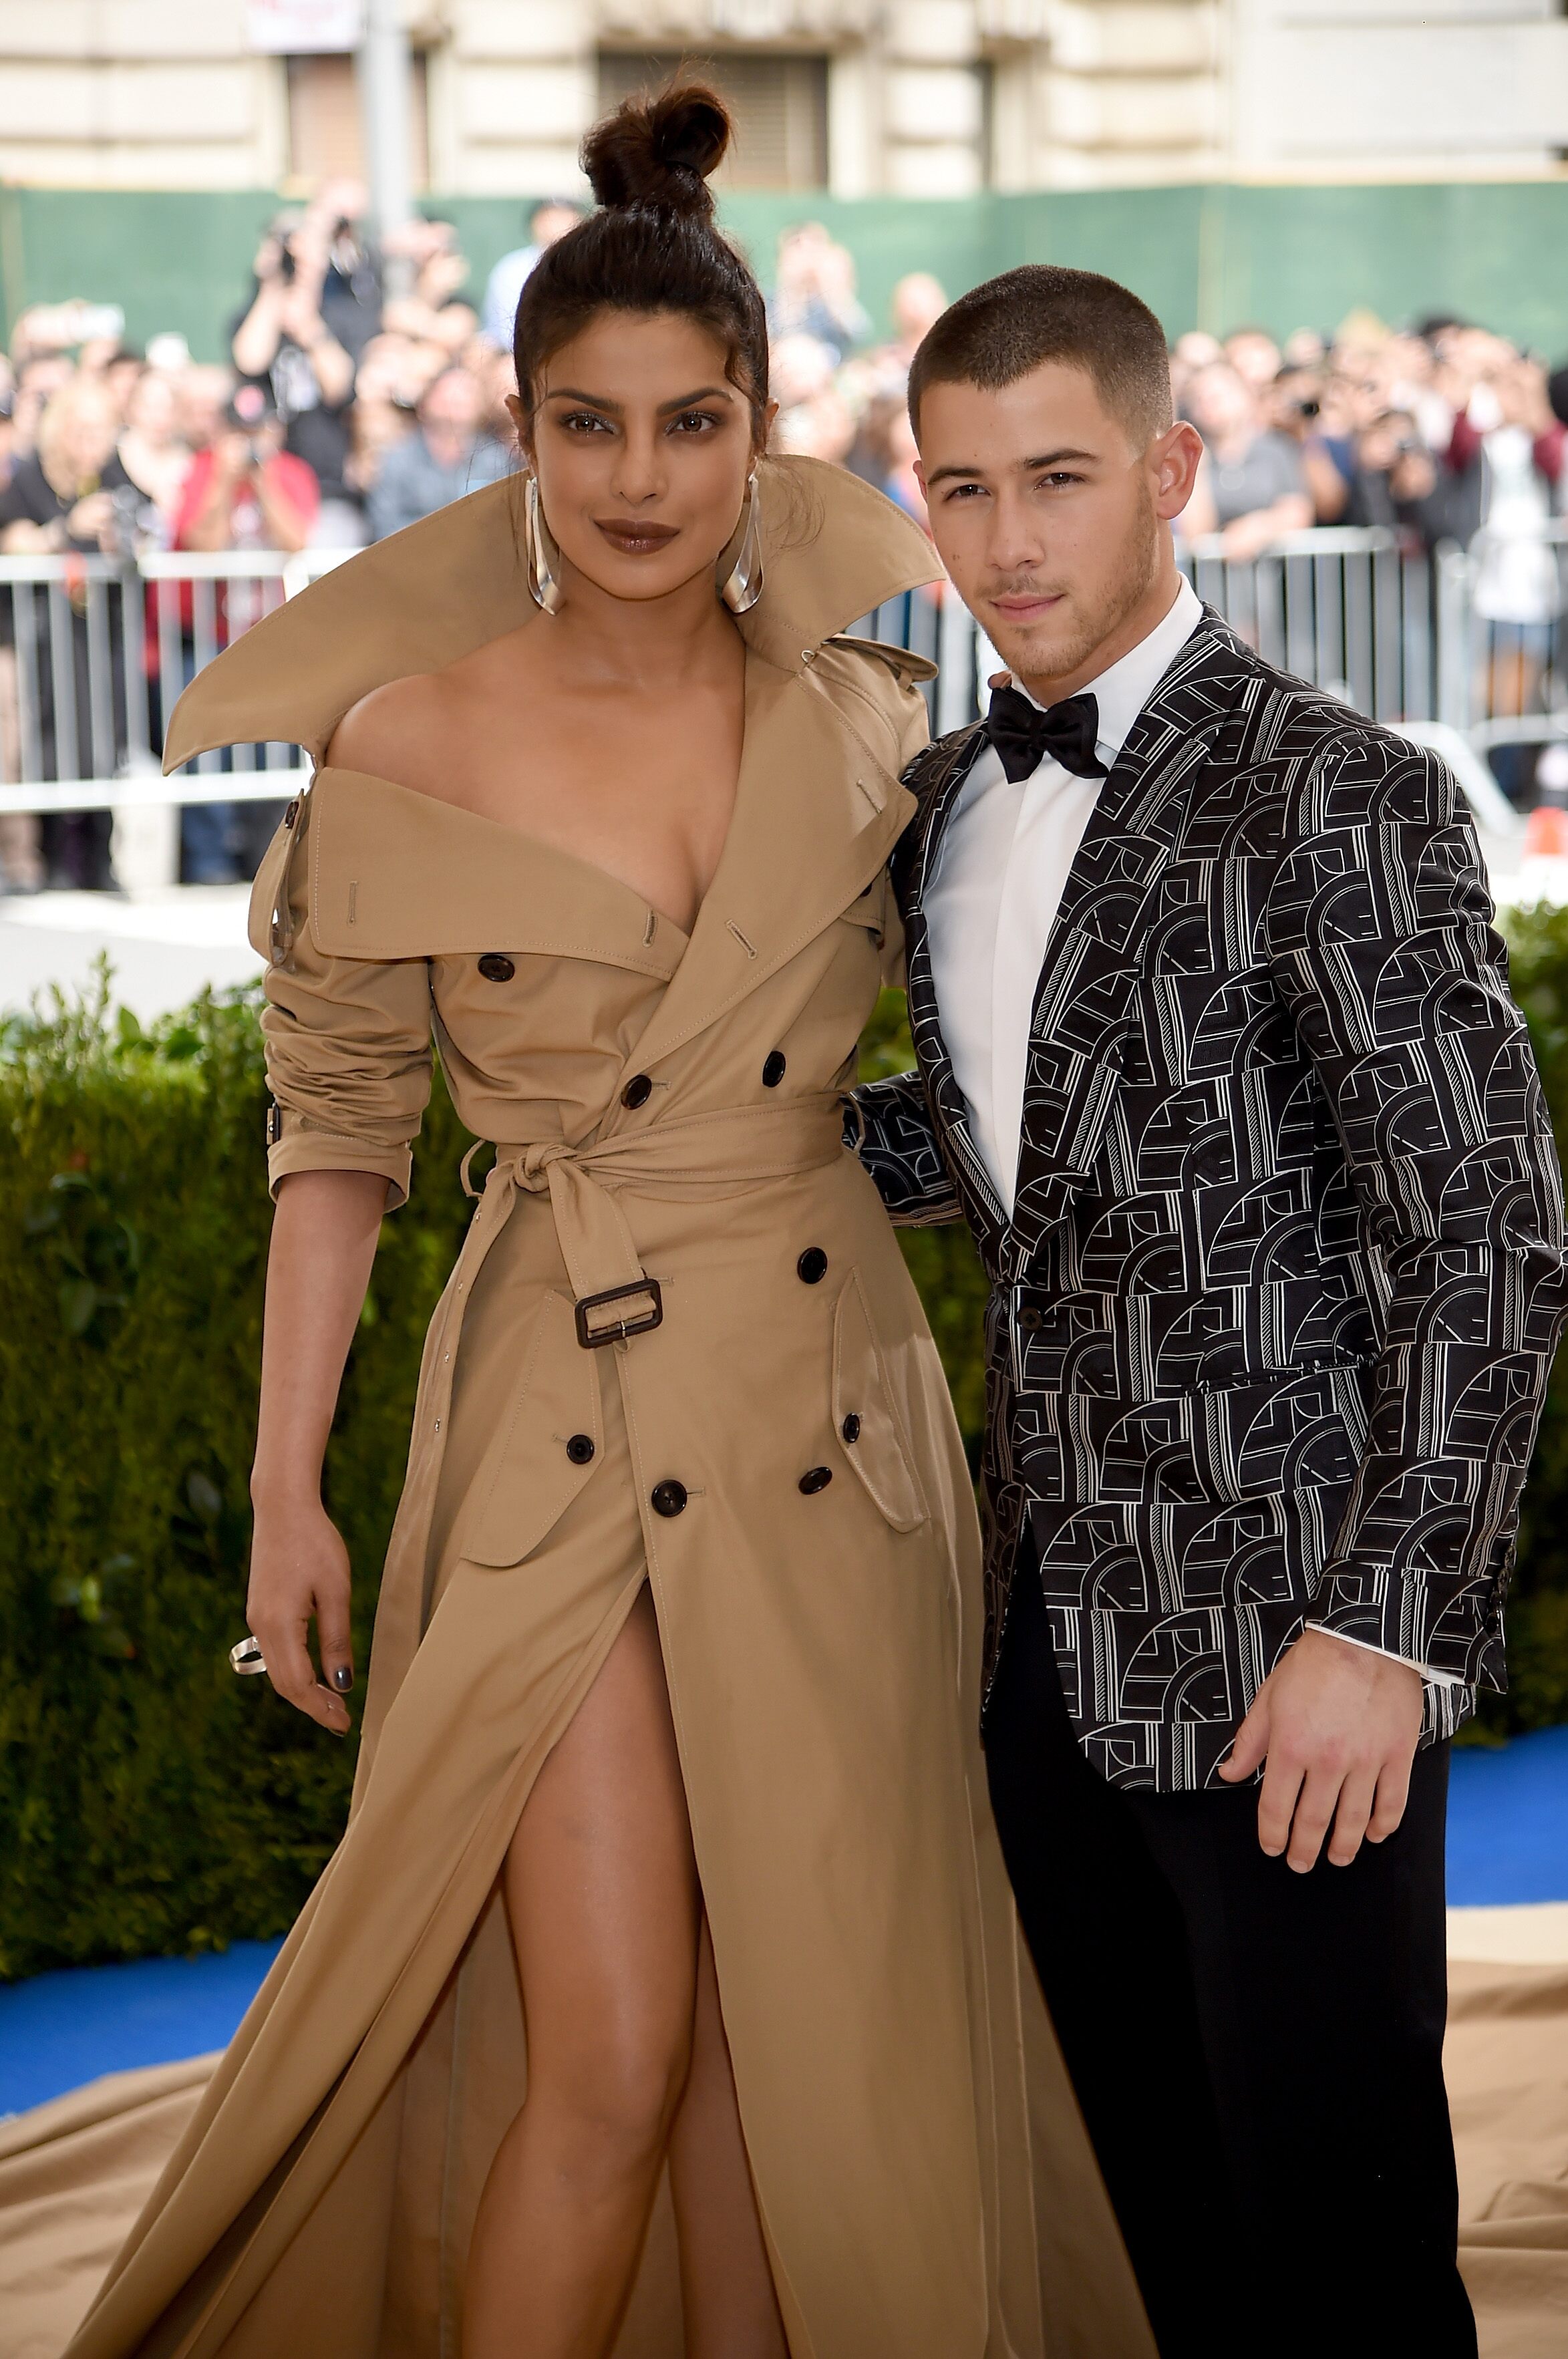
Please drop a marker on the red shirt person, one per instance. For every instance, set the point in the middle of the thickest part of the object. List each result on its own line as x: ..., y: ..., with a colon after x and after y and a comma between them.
x: 244, y: 492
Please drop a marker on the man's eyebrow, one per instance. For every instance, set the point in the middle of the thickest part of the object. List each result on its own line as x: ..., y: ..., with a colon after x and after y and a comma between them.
x: 1022, y: 467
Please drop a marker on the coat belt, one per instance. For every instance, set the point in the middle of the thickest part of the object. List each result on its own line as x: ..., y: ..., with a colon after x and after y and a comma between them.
x: 731, y: 1147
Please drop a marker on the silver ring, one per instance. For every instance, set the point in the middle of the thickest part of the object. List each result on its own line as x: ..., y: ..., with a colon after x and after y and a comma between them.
x: 246, y: 1656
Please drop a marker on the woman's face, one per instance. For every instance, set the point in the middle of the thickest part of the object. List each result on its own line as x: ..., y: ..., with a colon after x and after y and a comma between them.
x: 642, y: 448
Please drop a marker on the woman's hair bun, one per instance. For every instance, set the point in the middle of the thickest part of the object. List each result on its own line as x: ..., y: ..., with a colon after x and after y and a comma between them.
x: 659, y: 151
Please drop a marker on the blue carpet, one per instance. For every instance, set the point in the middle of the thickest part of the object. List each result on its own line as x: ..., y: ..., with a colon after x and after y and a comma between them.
x: 1507, y: 1842
x: 1508, y: 1822
x: 61, y: 2029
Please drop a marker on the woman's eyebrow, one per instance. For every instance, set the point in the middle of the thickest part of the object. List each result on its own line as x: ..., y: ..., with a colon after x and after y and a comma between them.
x: 704, y: 393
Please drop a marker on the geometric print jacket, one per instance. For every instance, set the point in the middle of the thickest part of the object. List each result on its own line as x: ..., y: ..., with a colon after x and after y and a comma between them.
x: 1270, y: 1326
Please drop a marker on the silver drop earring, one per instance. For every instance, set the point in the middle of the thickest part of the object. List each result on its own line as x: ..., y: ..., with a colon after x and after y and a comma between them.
x: 541, y: 555
x: 741, y: 587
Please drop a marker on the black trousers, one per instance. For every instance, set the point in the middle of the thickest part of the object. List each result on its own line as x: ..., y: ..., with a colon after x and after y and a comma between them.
x: 1258, y: 2054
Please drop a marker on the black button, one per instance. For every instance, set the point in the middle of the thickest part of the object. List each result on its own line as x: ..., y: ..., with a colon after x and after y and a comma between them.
x: 580, y: 1449
x: 637, y: 1091
x: 850, y: 1427
x: 773, y: 1069
x: 669, y: 1498
x: 496, y: 967
x: 816, y: 1478
x: 812, y: 1266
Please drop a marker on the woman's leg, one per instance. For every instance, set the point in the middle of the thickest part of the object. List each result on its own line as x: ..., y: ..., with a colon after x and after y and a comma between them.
x: 602, y: 1895
x: 726, y: 2286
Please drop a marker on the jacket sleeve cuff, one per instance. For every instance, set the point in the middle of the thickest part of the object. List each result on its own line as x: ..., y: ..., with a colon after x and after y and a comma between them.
x: 296, y: 1146
x: 1437, y: 1679
x: 1449, y: 1626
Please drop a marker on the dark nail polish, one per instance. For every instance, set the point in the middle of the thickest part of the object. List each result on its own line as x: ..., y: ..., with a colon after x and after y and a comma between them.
x: 343, y: 1678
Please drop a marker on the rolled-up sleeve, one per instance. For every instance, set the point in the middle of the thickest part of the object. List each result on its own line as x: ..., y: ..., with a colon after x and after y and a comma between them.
x: 348, y: 1040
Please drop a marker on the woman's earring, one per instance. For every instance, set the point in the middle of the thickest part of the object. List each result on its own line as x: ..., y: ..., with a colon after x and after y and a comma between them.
x: 543, y: 558
x: 740, y: 583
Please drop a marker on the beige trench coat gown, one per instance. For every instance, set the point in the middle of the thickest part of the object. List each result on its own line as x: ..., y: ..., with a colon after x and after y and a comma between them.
x: 776, y: 1458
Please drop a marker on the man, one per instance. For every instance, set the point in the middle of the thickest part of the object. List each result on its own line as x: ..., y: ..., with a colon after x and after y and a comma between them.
x: 547, y: 222
x: 444, y: 457
x: 1218, y: 1056
x: 1251, y: 488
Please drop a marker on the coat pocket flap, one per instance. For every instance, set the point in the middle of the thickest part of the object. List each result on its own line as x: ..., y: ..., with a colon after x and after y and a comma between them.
x: 530, y: 1477
x: 865, y: 1416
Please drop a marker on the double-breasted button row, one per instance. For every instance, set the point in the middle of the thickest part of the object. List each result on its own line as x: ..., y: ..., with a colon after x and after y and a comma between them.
x: 496, y: 967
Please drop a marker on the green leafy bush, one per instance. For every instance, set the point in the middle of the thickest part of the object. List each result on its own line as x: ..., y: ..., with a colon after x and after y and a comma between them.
x: 150, y: 1801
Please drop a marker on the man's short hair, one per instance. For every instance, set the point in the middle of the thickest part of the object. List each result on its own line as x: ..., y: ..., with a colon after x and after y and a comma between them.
x: 999, y: 331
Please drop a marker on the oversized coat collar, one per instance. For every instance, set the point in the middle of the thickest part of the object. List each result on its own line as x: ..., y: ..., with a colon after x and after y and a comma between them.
x: 1083, y: 996
x: 817, y: 808
x: 833, y: 548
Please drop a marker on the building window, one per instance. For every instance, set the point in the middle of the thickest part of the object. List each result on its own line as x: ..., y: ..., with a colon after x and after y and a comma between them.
x: 779, y: 102
x: 326, y: 140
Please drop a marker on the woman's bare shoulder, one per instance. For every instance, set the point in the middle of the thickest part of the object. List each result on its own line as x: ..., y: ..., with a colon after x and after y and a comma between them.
x: 396, y: 733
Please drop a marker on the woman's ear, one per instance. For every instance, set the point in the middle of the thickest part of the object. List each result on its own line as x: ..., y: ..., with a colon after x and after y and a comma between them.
x: 519, y: 418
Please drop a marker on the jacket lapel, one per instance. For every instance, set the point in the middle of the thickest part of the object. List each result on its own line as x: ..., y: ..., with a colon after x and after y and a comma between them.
x: 1084, y: 994
x: 937, y: 778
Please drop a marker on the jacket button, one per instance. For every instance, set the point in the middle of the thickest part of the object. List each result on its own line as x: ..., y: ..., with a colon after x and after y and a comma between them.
x: 774, y: 1068
x: 580, y: 1449
x: 812, y: 1266
x: 850, y: 1427
x: 1031, y: 1319
x: 816, y: 1478
x: 669, y: 1498
x: 496, y: 967
x: 638, y: 1091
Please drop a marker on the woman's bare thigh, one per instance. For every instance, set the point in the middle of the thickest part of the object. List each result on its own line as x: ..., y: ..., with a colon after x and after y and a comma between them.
x: 601, y: 1894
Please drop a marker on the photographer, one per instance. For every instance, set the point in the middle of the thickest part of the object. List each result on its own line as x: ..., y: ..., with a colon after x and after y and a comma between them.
x: 244, y: 492
x: 283, y: 345
x: 69, y: 497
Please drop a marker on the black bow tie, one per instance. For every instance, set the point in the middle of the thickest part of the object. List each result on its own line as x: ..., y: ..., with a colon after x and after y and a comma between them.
x: 1023, y: 734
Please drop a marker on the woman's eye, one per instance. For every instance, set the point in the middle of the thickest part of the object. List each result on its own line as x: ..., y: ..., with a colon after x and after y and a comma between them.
x: 694, y: 421
x: 583, y: 422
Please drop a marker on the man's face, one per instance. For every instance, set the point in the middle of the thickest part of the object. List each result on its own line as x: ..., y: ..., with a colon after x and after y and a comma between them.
x: 1046, y: 512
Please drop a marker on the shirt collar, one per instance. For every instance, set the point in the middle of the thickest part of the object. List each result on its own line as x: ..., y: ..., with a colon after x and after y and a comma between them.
x: 1124, y: 688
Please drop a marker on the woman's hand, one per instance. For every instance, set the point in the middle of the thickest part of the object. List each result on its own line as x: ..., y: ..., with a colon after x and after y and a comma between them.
x: 299, y: 1570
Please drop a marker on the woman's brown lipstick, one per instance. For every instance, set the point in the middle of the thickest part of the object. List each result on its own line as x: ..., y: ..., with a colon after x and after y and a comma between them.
x: 636, y: 539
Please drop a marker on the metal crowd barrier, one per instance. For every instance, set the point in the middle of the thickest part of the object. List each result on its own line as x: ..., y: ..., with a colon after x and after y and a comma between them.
x: 1464, y: 652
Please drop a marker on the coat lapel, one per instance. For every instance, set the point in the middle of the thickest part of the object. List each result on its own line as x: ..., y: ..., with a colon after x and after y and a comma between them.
x: 1084, y: 998
x: 817, y: 814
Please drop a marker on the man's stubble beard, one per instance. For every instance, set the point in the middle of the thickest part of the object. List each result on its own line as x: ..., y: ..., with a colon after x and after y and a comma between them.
x: 1034, y: 657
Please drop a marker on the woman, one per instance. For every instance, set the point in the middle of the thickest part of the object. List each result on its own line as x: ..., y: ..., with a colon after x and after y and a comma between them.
x: 667, y: 1749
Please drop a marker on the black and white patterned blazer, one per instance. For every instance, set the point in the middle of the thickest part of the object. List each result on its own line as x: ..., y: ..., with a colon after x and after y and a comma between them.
x: 1272, y: 1323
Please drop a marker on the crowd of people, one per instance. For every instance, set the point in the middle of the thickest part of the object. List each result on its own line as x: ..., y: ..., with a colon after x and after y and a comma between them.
x: 365, y: 388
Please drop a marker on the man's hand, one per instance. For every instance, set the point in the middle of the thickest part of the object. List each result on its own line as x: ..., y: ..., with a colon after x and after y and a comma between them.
x: 1338, y: 1727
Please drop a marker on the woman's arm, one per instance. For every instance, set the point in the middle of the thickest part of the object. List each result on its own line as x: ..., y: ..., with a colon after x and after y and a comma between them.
x: 323, y: 1243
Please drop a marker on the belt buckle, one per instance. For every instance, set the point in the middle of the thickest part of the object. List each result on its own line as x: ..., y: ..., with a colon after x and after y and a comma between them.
x: 616, y: 1330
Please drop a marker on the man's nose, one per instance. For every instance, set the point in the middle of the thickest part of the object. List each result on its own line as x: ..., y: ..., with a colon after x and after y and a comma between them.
x: 1014, y: 542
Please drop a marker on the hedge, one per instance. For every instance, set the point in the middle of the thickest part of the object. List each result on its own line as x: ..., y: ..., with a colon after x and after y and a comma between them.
x: 150, y: 1802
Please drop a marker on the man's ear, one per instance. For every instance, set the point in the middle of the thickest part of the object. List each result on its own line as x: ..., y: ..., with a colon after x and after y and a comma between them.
x: 921, y: 478
x: 1173, y: 459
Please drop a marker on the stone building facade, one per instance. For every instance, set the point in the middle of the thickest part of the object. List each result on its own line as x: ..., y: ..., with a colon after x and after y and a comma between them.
x: 862, y: 97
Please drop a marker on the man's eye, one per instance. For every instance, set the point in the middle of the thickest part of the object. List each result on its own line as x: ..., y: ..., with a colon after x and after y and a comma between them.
x: 966, y: 492
x: 1059, y: 476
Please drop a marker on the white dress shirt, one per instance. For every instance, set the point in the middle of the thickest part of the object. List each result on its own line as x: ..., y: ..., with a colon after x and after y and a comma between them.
x: 992, y: 900
x: 1000, y: 870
